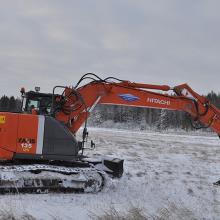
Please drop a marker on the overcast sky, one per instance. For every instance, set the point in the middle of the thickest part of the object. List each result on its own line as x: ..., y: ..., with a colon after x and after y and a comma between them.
x: 49, y: 42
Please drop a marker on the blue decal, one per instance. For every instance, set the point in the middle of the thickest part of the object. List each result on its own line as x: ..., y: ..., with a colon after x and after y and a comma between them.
x: 129, y: 97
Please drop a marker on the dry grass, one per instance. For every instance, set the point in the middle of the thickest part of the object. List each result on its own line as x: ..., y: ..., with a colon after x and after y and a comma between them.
x: 9, y: 215
x: 171, y: 212
x: 113, y: 214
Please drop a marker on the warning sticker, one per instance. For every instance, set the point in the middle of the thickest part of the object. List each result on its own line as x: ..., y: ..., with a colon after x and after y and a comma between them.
x: 2, y: 119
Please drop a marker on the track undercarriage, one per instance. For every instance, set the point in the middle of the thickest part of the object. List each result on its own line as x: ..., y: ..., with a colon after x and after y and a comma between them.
x: 57, y: 177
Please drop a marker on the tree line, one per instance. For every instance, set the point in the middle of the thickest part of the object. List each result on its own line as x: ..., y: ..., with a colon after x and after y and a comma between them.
x: 10, y: 104
x: 108, y: 115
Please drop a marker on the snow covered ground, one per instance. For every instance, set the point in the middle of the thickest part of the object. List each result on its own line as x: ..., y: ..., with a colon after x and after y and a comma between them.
x: 162, y: 172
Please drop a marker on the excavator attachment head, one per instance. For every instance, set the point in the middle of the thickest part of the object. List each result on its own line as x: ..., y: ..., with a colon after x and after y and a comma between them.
x: 115, y: 165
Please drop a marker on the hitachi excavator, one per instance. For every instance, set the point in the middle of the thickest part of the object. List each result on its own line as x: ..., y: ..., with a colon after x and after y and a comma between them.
x: 39, y: 152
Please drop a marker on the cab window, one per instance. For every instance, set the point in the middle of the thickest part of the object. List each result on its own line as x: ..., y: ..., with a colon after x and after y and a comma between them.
x: 41, y: 104
x: 32, y: 104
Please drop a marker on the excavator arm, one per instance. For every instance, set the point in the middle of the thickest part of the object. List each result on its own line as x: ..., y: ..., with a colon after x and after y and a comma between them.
x: 78, y: 102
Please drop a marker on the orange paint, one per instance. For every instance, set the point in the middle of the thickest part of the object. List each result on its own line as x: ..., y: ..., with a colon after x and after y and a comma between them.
x: 8, y: 135
x: 27, y: 134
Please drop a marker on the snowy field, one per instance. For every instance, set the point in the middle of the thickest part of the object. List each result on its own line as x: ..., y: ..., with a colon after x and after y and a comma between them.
x: 165, y: 175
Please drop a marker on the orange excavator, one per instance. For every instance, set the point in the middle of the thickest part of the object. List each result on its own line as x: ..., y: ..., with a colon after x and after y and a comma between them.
x: 39, y: 152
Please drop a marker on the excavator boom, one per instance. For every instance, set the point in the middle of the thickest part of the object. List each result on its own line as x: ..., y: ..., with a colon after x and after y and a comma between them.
x: 179, y: 98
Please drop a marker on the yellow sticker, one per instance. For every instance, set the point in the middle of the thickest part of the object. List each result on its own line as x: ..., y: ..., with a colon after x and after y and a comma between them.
x: 2, y: 119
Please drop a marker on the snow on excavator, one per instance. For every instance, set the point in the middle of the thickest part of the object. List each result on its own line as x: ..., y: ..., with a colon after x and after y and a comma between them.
x: 38, y: 149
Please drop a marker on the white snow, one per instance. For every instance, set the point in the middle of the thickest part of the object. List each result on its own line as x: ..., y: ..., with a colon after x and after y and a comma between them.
x: 160, y: 169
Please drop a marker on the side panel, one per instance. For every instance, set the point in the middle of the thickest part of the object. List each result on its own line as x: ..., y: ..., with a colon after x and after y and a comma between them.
x: 30, y: 136
x: 8, y: 134
x: 27, y: 134
x: 58, y: 140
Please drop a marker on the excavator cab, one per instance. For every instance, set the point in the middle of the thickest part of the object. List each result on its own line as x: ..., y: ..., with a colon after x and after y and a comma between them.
x: 40, y: 102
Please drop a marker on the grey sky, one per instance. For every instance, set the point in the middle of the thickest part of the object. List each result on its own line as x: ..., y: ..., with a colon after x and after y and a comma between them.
x: 50, y: 42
